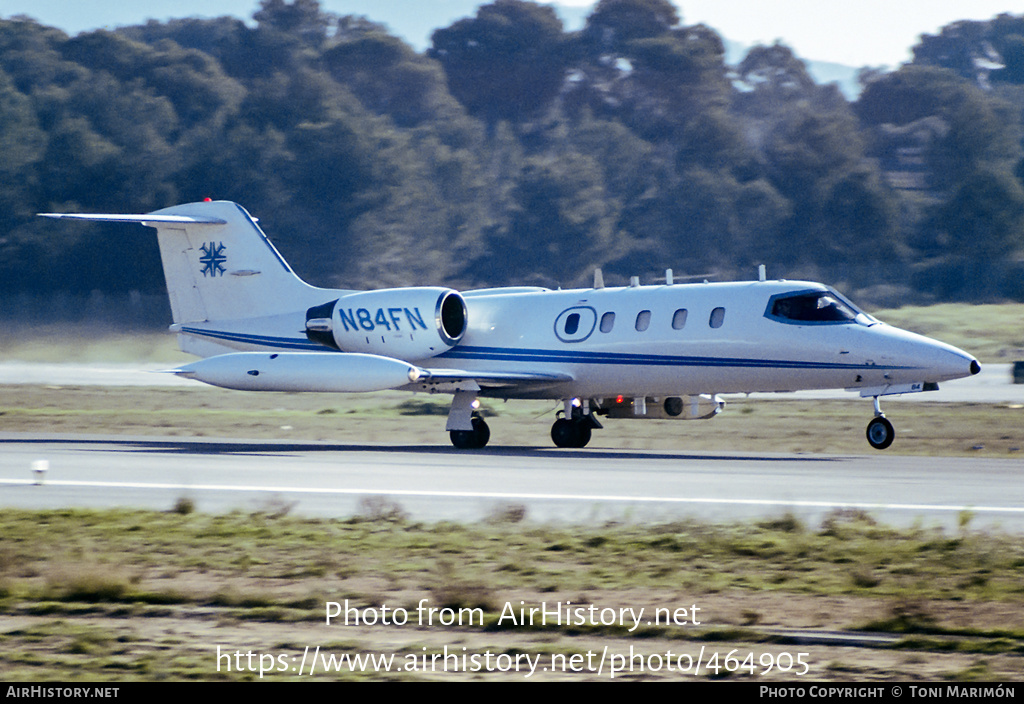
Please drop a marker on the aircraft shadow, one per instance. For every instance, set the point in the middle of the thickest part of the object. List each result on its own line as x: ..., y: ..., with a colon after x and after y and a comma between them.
x: 264, y: 448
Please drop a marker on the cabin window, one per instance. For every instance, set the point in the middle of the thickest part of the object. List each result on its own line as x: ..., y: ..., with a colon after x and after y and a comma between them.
x: 607, y: 321
x: 717, y: 317
x: 572, y: 323
x: 643, y: 320
x: 679, y: 319
x: 575, y: 324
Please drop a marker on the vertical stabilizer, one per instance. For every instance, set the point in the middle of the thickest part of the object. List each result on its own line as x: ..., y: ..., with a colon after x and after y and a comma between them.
x: 225, y: 271
x: 218, y: 263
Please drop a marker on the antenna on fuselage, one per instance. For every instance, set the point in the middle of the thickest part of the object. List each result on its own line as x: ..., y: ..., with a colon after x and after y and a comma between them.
x: 761, y: 273
x: 598, y: 279
x: 669, y: 279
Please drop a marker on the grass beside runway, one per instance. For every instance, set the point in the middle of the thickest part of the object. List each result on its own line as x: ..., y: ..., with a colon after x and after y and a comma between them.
x: 140, y: 595
x: 393, y: 418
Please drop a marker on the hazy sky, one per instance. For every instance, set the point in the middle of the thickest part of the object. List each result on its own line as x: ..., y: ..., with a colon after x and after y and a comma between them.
x: 854, y: 32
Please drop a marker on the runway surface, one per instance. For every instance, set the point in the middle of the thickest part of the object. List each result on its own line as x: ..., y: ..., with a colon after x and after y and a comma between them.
x: 440, y: 483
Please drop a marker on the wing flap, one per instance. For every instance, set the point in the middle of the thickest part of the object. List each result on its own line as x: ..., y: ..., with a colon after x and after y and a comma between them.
x: 490, y: 379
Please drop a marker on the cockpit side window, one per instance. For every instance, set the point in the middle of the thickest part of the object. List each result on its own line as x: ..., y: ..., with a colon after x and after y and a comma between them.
x: 811, y: 308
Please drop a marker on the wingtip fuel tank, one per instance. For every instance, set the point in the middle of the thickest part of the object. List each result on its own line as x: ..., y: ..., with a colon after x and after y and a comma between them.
x: 301, y: 371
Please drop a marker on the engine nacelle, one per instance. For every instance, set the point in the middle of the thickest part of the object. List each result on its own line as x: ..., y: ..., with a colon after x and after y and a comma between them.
x: 672, y: 408
x: 405, y: 323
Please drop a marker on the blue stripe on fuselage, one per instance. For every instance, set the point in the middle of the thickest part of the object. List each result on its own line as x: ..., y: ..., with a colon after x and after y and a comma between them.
x: 582, y: 357
x: 286, y: 343
x: 510, y: 354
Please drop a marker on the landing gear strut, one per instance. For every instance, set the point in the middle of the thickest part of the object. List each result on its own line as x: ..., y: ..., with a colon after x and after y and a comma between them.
x: 880, y: 431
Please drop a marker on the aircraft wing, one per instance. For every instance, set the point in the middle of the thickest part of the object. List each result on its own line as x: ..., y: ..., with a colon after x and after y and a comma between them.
x: 488, y: 379
x: 349, y: 372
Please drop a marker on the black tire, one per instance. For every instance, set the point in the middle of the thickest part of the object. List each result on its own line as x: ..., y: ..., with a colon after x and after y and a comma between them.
x: 471, y: 439
x: 583, y: 432
x: 880, y: 433
x: 570, y: 433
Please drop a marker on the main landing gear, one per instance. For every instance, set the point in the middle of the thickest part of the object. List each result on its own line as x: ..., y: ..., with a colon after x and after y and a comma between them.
x: 471, y: 439
x: 574, y: 431
x: 880, y: 431
x: 466, y: 428
x: 570, y: 433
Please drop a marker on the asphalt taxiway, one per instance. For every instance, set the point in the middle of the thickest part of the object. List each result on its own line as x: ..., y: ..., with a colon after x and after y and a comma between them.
x: 440, y: 483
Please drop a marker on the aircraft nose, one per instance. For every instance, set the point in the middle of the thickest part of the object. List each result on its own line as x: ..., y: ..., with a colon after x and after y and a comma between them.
x: 928, y: 359
x: 952, y: 363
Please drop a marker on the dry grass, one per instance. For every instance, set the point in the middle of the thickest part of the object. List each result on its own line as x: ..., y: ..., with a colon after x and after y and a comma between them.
x: 389, y: 418
x: 143, y: 595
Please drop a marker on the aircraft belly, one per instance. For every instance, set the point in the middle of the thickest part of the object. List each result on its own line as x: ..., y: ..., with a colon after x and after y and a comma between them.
x: 663, y: 375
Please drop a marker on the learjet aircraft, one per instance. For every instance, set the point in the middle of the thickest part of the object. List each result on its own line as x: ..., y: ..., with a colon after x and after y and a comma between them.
x: 662, y: 351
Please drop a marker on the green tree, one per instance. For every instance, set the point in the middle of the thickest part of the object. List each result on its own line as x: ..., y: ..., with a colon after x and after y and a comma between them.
x: 633, y: 63
x: 390, y: 78
x: 507, y: 63
x: 560, y: 225
x: 773, y: 75
x: 978, y: 130
x: 302, y: 19
x: 974, y: 234
x: 615, y: 23
x: 675, y: 79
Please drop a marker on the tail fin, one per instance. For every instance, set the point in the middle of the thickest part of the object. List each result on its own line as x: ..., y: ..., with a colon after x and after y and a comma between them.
x: 218, y: 263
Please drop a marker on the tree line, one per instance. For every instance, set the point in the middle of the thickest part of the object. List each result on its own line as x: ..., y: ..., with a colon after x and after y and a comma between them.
x: 514, y: 152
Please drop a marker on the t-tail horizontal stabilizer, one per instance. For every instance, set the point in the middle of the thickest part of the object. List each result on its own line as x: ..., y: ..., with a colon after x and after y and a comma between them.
x: 218, y: 263
x: 146, y: 219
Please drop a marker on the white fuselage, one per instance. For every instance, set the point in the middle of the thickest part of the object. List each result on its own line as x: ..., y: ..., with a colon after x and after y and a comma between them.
x: 237, y: 303
x: 741, y: 350
x: 638, y: 341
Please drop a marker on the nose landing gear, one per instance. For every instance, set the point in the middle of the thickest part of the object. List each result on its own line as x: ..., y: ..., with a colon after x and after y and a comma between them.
x: 880, y: 431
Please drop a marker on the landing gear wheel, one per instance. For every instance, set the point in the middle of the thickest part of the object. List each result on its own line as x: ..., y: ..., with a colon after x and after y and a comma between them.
x: 880, y: 433
x: 571, y: 433
x: 471, y: 439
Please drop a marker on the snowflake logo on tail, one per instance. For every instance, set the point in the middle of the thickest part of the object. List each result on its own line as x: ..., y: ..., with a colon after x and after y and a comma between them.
x: 213, y: 259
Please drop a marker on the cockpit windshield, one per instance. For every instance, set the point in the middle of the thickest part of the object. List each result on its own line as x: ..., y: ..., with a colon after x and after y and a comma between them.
x: 815, y: 307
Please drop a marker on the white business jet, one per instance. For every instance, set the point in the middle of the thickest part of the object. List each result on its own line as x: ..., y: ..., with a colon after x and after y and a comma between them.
x: 662, y: 351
